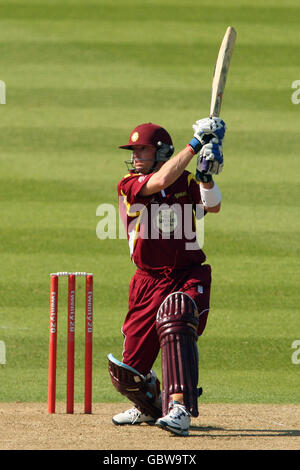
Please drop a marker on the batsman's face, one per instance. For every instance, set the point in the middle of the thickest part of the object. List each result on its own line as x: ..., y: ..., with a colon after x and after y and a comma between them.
x: 143, y: 157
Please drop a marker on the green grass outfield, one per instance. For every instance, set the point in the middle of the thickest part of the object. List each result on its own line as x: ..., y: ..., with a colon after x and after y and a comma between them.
x: 79, y: 76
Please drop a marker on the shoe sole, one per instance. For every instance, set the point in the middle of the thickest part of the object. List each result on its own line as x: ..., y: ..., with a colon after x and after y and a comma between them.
x: 178, y: 432
x: 151, y: 423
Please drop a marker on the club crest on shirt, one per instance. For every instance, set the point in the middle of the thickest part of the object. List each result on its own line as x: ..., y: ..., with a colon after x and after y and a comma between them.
x: 167, y: 220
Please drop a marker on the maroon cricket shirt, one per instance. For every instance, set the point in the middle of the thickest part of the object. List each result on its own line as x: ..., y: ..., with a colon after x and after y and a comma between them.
x: 161, y: 227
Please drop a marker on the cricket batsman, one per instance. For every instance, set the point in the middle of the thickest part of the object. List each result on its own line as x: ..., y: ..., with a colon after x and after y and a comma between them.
x: 170, y: 290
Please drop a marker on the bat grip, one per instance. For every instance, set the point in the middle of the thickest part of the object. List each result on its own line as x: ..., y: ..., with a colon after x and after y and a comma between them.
x: 207, y: 138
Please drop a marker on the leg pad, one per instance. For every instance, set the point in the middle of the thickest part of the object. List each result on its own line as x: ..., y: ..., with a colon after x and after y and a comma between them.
x: 176, y: 323
x: 143, y: 392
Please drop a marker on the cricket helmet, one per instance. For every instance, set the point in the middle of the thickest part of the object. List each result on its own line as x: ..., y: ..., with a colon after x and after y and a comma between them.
x: 148, y: 134
x: 151, y: 134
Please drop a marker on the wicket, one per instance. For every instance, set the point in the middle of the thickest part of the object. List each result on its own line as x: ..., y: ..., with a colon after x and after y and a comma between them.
x: 70, y: 340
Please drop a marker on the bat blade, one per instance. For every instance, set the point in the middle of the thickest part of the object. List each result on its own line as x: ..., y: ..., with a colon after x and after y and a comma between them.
x: 221, y: 71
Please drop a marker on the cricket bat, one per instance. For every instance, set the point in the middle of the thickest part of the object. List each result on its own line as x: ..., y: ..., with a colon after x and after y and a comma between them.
x: 221, y: 71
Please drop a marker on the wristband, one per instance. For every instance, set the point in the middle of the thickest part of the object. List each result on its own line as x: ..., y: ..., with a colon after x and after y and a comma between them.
x: 196, y: 145
x: 190, y: 149
x: 211, y: 197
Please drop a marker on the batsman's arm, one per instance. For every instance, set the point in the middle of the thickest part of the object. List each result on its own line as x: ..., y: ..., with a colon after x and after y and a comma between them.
x: 169, y: 172
x: 210, y: 186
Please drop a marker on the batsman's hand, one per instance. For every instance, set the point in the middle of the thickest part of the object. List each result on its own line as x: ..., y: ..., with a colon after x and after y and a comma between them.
x: 206, y: 128
x: 210, y: 161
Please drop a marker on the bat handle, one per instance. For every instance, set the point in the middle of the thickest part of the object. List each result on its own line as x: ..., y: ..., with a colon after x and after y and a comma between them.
x: 207, y: 138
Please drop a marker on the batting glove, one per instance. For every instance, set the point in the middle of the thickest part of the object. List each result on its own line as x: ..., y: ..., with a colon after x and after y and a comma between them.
x: 210, y: 161
x: 206, y: 129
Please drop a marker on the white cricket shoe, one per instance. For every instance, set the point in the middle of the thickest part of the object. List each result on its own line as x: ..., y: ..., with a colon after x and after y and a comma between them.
x: 176, y: 421
x: 132, y: 416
